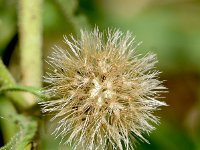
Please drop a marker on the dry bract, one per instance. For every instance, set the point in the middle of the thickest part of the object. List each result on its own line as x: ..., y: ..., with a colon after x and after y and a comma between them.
x: 103, y: 94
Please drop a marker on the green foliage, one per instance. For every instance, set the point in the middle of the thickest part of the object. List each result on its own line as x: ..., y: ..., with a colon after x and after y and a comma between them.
x: 27, y: 130
x: 7, y: 23
x: 8, y: 127
x: 7, y: 81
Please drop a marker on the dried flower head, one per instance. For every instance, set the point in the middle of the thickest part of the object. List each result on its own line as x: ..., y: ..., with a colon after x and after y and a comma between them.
x: 103, y: 94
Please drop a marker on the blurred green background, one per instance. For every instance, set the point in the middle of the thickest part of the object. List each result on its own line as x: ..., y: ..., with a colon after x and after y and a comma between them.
x: 169, y: 28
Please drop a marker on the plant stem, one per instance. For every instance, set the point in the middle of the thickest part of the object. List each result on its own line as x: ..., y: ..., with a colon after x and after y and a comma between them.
x: 6, y: 80
x: 22, y: 88
x: 8, y: 127
x: 30, y: 38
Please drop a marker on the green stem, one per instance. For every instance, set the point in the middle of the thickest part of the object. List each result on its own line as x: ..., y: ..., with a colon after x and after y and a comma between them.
x: 24, y: 138
x: 6, y: 80
x: 30, y: 40
x: 22, y: 88
x: 8, y: 127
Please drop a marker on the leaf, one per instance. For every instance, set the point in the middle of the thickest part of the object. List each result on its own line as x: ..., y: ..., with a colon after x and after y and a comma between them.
x: 7, y: 23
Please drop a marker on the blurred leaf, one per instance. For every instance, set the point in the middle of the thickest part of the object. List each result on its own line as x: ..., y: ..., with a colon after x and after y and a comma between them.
x: 171, y: 31
x: 69, y: 6
x: 7, y: 23
x: 169, y: 137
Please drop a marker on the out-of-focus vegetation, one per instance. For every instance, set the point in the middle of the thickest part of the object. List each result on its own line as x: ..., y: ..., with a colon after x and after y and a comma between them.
x: 169, y: 28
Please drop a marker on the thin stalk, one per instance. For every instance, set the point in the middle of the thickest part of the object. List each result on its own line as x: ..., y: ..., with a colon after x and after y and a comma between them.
x: 32, y: 90
x: 30, y: 38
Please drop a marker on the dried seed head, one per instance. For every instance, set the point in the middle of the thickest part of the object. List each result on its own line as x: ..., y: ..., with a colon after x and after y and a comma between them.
x: 103, y: 94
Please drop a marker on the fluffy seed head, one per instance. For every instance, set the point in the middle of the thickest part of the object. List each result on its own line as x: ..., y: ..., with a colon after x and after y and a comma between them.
x: 103, y: 94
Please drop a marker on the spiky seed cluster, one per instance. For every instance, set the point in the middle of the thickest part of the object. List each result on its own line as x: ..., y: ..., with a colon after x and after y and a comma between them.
x: 103, y: 94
